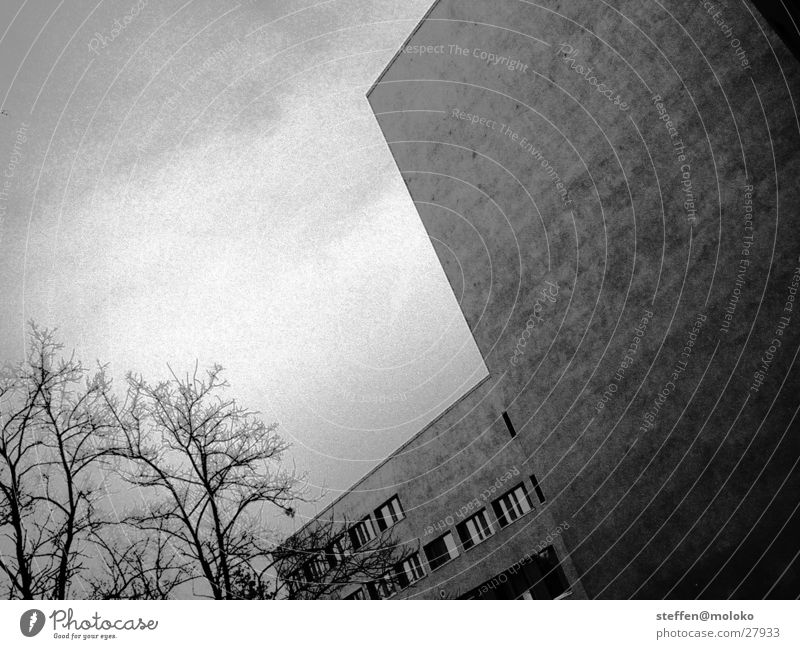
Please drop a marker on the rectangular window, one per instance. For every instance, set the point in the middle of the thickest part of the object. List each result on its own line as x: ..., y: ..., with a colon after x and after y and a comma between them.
x: 537, y: 488
x: 295, y: 580
x: 512, y: 505
x: 357, y: 594
x: 439, y: 551
x: 389, y: 513
x: 475, y: 529
x: 314, y: 570
x: 382, y: 588
x: 362, y: 532
x: 334, y: 553
x: 511, y: 430
x: 409, y: 571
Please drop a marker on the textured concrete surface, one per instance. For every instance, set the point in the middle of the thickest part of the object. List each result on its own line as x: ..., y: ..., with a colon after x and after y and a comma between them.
x: 525, y: 172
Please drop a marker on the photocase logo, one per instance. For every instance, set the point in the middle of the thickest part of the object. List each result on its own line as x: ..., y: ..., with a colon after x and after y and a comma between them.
x: 31, y: 622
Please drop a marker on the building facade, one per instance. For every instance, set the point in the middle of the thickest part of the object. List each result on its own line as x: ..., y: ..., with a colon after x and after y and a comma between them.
x: 466, y: 507
x: 608, y: 186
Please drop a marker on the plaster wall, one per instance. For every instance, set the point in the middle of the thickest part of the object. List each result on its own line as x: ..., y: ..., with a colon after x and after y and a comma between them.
x: 672, y: 496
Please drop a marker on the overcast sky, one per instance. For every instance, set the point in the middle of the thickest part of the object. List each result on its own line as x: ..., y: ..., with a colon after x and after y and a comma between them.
x: 209, y: 183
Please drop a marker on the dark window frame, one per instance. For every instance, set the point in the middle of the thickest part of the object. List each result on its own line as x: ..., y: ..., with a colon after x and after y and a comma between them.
x: 434, y: 562
x: 402, y: 575
x: 537, y: 488
x: 355, y: 539
x: 314, y: 570
x: 336, y: 551
x: 463, y: 531
x: 511, y: 430
x: 502, y: 518
x: 383, y: 588
x: 381, y: 520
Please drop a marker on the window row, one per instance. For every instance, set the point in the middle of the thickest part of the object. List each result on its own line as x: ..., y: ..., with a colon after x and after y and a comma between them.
x: 538, y: 576
x: 403, y: 574
x: 385, y: 516
x: 509, y: 507
x: 512, y: 505
x: 359, y: 534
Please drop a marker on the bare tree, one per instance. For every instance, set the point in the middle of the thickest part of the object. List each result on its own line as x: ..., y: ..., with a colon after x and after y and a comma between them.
x: 212, y: 475
x: 54, y: 433
x: 143, y: 567
x: 208, y: 469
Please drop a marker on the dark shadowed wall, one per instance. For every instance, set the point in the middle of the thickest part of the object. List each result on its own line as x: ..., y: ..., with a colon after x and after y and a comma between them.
x: 611, y: 188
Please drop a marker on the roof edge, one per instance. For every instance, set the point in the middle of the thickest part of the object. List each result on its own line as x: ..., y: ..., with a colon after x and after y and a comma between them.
x: 402, y: 47
x: 396, y: 452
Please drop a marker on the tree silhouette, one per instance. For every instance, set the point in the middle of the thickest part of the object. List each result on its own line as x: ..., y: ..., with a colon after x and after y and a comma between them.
x: 213, y: 476
x: 210, y: 477
x: 138, y: 568
x: 208, y: 468
x: 54, y: 436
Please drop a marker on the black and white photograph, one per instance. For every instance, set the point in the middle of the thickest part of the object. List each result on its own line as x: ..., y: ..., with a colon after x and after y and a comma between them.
x: 400, y: 300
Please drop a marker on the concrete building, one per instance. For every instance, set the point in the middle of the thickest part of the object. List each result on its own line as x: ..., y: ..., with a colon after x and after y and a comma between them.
x: 611, y: 188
